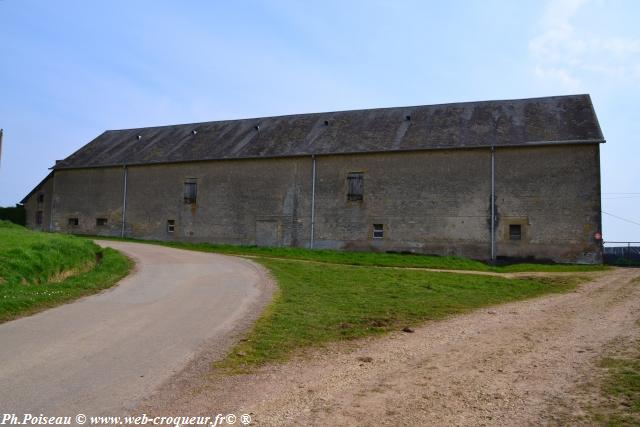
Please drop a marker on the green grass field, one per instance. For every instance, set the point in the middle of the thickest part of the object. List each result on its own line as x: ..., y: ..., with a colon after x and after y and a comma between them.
x: 319, y: 303
x: 372, y: 258
x: 40, y: 270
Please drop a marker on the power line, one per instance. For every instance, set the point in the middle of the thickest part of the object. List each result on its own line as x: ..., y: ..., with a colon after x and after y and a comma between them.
x: 620, y: 218
x: 621, y: 197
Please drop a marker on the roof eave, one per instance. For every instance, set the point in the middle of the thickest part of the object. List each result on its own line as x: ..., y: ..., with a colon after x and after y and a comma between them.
x: 348, y: 153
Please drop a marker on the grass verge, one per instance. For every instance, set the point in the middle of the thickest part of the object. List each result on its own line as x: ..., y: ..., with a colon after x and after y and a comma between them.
x: 316, y: 304
x: 621, y: 390
x: 376, y: 259
x: 41, y: 270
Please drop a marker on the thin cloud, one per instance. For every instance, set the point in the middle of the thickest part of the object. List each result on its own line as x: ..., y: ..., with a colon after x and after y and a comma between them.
x: 570, y: 55
x: 561, y: 75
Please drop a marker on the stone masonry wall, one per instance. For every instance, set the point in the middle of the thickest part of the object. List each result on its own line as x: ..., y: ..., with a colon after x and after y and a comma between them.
x: 434, y: 202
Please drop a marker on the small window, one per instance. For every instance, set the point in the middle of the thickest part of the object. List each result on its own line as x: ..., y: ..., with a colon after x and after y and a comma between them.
x: 73, y: 222
x: 38, y: 217
x: 40, y: 199
x: 515, y: 232
x: 190, y: 191
x: 171, y: 225
x: 101, y: 222
x: 355, y: 186
x: 378, y: 231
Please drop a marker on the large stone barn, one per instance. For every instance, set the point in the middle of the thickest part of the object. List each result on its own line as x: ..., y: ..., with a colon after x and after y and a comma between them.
x: 421, y: 179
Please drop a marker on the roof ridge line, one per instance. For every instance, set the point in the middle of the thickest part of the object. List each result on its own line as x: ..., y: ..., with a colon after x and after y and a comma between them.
x: 371, y: 109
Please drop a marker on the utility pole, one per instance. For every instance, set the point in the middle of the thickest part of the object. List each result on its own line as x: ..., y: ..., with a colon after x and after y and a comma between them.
x: 493, y: 203
x: 313, y: 201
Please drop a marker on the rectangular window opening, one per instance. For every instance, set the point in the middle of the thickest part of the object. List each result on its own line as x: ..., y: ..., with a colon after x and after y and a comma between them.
x: 171, y: 225
x: 38, y: 217
x: 355, y: 186
x: 101, y: 222
x: 515, y: 232
x: 378, y: 231
x: 190, y: 191
x: 40, y: 199
x: 73, y: 222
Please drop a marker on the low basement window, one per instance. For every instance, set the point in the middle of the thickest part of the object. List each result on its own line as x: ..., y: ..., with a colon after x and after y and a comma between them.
x: 101, y: 222
x: 515, y: 232
x: 378, y: 231
x: 171, y: 225
x: 73, y: 222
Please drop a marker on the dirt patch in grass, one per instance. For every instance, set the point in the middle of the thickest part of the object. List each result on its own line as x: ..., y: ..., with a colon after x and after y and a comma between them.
x: 63, y: 275
x: 620, y: 388
x: 610, y: 394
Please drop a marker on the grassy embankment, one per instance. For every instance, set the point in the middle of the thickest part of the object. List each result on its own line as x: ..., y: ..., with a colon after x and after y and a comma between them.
x: 40, y: 270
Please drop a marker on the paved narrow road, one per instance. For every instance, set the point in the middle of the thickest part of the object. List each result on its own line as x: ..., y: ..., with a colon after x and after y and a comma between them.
x: 101, y: 354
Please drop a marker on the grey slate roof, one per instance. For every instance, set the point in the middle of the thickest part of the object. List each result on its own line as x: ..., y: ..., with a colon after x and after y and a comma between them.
x: 552, y: 120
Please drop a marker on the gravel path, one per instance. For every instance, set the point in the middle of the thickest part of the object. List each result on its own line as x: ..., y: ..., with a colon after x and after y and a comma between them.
x: 514, y: 364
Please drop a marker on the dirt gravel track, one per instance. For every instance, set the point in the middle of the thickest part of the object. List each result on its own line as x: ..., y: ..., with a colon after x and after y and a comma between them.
x: 514, y: 364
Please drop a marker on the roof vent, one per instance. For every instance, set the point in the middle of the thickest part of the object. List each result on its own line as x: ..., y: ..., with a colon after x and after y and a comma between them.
x: 407, y: 118
x: 326, y: 122
x: 194, y: 131
x: 139, y: 137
